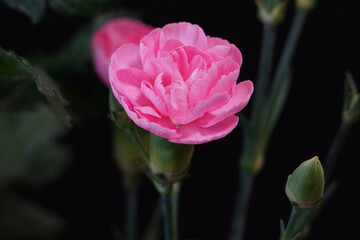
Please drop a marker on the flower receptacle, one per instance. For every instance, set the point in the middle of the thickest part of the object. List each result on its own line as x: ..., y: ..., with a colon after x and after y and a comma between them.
x: 169, y: 159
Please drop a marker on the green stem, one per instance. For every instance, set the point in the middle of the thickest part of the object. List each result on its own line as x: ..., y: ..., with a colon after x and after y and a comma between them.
x: 175, y: 206
x: 131, y: 213
x: 281, y: 79
x: 287, y: 235
x: 336, y: 146
x: 289, y: 48
x: 264, y: 70
x: 152, y: 230
x: 167, y: 207
x: 245, y: 187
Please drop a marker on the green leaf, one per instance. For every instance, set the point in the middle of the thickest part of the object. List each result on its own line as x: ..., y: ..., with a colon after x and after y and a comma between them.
x: 29, y: 152
x: 21, y: 219
x: 80, y: 7
x: 14, y: 68
x: 34, y: 9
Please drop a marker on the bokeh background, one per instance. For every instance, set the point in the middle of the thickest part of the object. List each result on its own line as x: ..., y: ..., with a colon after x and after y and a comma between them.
x: 85, y: 194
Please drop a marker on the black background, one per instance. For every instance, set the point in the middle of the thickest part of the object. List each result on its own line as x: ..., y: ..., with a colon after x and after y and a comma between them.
x: 88, y: 194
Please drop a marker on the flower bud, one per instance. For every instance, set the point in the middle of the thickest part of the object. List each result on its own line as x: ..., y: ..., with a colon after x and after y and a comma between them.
x: 170, y: 159
x: 305, y: 186
x: 127, y: 154
x: 305, y: 5
x: 351, y: 109
x: 271, y: 12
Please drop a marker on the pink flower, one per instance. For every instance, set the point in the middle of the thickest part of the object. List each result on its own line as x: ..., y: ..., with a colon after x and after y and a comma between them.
x: 180, y: 84
x: 111, y: 36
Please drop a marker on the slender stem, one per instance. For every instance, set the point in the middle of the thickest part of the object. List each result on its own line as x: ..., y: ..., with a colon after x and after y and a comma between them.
x: 291, y: 224
x: 131, y: 213
x: 289, y: 48
x: 336, y: 146
x: 245, y: 187
x: 175, y: 206
x: 264, y: 70
x: 152, y: 230
x: 168, y: 216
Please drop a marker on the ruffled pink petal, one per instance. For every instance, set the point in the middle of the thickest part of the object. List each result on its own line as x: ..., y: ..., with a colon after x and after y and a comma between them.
x: 203, y: 84
x: 180, y: 61
x: 156, y: 66
x: 127, y: 82
x: 225, y: 83
x: 161, y: 127
x: 238, y: 101
x: 203, y: 106
x: 150, y: 45
x: 178, y: 96
x: 126, y: 56
x: 220, y: 49
x: 169, y: 46
x: 156, y: 100
x: 187, y: 33
x: 194, y: 134
x: 147, y: 110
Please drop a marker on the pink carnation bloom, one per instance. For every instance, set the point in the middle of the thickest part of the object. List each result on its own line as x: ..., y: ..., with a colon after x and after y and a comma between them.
x: 111, y: 36
x: 180, y: 84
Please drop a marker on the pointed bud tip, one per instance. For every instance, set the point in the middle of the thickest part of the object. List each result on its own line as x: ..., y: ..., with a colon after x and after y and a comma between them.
x: 305, y: 186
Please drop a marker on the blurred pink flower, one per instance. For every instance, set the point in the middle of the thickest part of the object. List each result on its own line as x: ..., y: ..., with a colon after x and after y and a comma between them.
x: 180, y: 84
x: 111, y: 36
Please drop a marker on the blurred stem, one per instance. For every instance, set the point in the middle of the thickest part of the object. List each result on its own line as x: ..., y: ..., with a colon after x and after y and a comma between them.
x: 175, y: 206
x: 289, y: 48
x: 336, y: 146
x: 264, y: 70
x: 170, y: 230
x: 152, y: 230
x: 264, y: 121
x: 131, y: 213
x: 245, y: 187
x: 287, y: 235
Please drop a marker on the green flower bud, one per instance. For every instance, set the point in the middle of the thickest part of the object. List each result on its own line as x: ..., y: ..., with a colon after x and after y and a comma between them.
x: 305, y: 5
x: 351, y: 109
x: 305, y: 186
x: 127, y: 154
x: 170, y: 159
x: 271, y: 11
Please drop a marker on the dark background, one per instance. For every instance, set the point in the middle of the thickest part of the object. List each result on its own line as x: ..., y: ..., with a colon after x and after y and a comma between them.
x: 88, y: 195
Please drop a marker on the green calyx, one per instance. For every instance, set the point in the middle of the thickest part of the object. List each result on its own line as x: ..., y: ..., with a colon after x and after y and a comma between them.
x: 305, y: 5
x: 271, y: 11
x: 169, y: 159
x: 305, y: 186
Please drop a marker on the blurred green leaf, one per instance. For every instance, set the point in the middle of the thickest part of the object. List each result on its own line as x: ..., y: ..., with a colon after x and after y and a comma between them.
x: 14, y: 68
x: 29, y: 152
x: 34, y: 9
x: 21, y: 219
x: 80, y: 7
